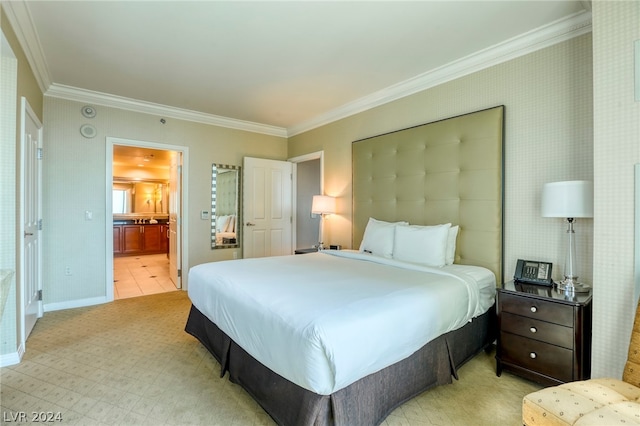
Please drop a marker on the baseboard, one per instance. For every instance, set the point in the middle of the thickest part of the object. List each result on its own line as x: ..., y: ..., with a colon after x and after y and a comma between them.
x: 12, y: 358
x: 70, y: 304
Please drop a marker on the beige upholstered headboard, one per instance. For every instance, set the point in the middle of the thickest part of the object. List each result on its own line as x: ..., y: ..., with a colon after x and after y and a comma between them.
x: 447, y: 171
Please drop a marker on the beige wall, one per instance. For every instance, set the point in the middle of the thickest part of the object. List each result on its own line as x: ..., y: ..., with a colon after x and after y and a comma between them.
x: 75, y: 181
x: 548, y: 137
x: 616, y: 25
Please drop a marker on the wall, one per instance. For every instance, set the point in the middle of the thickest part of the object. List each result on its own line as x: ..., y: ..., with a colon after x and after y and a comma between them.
x: 75, y: 181
x: 17, y: 81
x: 616, y: 150
x: 8, y: 200
x: 307, y: 185
x: 548, y: 137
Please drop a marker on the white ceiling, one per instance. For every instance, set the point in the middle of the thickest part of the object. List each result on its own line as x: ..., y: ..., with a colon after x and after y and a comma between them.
x: 288, y: 66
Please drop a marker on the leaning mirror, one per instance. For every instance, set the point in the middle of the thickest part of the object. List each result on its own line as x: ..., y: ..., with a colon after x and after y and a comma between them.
x: 225, y: 220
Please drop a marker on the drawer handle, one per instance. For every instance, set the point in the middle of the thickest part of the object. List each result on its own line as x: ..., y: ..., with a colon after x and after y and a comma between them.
x: 534, y: 309
x: 533, y: 355
x: 533, y: 330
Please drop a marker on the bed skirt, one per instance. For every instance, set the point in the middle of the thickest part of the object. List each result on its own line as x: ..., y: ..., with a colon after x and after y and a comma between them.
x: 366, y: 402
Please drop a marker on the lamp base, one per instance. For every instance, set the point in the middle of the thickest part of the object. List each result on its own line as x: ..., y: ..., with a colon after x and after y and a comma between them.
x: 570, y: 286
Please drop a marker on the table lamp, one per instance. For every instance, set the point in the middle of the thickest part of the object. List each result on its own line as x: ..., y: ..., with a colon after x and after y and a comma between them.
x: 322, y: 205
x: 569, y: 200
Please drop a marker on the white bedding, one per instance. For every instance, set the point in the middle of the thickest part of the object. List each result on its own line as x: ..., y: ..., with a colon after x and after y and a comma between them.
x: 324, y: 320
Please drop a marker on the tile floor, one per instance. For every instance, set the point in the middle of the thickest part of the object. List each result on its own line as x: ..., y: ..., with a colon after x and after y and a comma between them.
x: 135, y: 276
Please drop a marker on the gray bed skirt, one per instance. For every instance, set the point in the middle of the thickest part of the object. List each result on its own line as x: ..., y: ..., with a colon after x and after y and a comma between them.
x: 366, y: 402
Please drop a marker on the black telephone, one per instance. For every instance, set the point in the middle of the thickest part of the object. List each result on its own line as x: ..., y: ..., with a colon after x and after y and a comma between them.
x: 533, y: 272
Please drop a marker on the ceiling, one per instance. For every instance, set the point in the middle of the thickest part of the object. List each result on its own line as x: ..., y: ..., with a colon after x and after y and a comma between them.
x: 134, y: 156
x: 286, y: 65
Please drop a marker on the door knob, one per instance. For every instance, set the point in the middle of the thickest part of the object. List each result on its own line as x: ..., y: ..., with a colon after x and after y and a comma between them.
x: 250, y: 224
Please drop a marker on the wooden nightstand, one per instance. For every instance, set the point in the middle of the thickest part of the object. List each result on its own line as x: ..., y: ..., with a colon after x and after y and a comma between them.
x: 543, y: 335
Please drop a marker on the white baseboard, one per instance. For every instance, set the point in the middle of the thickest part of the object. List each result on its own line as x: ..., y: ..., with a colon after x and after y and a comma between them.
x: 12, y: 358
x: 80, y: 303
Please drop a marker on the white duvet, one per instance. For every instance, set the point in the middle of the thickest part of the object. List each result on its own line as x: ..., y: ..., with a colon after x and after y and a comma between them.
x: 324, y: 320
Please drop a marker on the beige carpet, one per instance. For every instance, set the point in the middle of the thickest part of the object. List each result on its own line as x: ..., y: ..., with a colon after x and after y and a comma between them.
x: 131, y: 363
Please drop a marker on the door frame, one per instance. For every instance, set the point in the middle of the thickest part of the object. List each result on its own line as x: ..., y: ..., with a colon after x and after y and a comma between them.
x: 183, y: 224
x: 318, y: 155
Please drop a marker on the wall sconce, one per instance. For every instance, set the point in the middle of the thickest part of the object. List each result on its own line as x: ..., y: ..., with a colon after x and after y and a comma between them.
x: 322, y: 205
x: 569, y: 200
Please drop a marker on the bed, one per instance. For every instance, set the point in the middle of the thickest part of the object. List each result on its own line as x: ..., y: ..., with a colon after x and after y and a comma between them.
x: 285, y: 336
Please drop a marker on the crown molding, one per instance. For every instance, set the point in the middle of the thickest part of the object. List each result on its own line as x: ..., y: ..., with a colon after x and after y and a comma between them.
x: 20, y: 19
x: 105, y: 99
x: 564, y: 29
x: 545, y: 36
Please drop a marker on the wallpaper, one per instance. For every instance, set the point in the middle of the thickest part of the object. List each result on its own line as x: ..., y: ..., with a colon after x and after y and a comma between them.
x: 548, y: 137
x: 8, y: 207
x: 616, y: 151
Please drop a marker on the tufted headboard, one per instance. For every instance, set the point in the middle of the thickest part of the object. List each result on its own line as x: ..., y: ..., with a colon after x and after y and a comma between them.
x: 446, y: 171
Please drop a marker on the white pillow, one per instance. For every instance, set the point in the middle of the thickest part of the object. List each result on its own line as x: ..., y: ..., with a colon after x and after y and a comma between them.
x: 231, y: 224
x: 221, y: 223
x: 425, y: 245
x: 451, y: 245
x: 378, y: 237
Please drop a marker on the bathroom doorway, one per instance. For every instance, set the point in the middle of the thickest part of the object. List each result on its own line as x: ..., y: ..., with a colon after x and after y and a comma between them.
x: 147, y: 184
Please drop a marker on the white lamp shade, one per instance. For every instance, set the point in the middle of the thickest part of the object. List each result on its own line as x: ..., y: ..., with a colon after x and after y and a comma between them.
x: 569, y: 199
x: 323, y: 204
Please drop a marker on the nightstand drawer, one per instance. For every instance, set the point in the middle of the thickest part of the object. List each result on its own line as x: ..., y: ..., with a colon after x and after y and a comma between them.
x: 543, y: 331
x: 543, y: 358
x: 537, y: 308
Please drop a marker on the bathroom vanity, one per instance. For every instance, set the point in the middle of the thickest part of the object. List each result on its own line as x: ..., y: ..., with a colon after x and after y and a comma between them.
x: 142, y: 238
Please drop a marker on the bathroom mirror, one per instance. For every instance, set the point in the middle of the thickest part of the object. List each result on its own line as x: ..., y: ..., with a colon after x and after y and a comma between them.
x: 148, y: 198
x: 225, y: 206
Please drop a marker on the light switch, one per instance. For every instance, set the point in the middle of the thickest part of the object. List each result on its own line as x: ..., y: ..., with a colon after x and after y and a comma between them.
x: 88, y: 215
x: 204, y: 214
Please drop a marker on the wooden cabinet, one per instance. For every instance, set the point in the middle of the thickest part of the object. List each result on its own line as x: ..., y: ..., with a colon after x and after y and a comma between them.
x: 544, y: 335
x: 117, y: 239
x: 139, y: 239
x: 132, y: 239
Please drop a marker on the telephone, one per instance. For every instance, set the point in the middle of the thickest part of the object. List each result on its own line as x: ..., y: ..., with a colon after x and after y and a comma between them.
x: 533, y: 272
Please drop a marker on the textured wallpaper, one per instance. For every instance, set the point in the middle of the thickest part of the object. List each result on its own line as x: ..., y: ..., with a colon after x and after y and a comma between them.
x: 616, y: 151
x: 75, y: 180
x: 548, y: 137
x: 8, y: 207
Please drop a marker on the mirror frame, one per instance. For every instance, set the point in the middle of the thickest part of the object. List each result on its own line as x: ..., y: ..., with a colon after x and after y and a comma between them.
x: 214, y: 180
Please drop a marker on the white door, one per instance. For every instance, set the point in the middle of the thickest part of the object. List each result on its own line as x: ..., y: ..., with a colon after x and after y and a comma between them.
x: 175, y: 225
x: 31, y: 182
x: 267, y: 208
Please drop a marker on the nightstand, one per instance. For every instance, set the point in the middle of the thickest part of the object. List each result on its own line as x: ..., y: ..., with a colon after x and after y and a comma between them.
x: 544, y: 335
x: 306, y: 250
